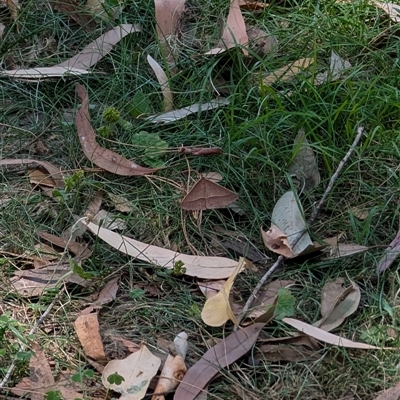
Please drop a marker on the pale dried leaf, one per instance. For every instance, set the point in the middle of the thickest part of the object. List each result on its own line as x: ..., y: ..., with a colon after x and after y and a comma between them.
x: 164, y: 83
x: 390, y: 394
x: 137, y: 370
x: 176, y: 115
x: 324, y: 336
x: 288, y: 216
x: 226, y: 352
x: 337, y: 304
x: 304, y: 165
x: 205, y: 267
x: 88, y: 331
x: 2, y: 29
x: 360, y: 213
x: 390, y: 255
x: 212, y: 176
x: 14, y: 7
x: 106, y: 219
x: 217, y: 309
x: 288, y: 72
x: 337, y: 66
x: 34, y: 282
x: 234, y: 33
x: 392, y: 9
x: 344, y: 250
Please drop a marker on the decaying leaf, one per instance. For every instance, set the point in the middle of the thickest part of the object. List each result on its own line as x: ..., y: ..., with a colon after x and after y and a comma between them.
x: 337, y: 303
x: 88, y: 331
x: 41, y: 379
x: 338, y: 250
x: 174, y: 368
x: 54, y: 173
x: 287, y: 72
x: 360, y: 213
x: 34, y: 282
x: 296, y: 340
x: 40, y: 178
x: 288, y: 217
x: 103, y: 158
x: 390, y: 394
x: 392, y: 9
x: 277, y: 241
x: 198, y: 266
x: 217, y: 309
x: 260, y: 41
x: 137, y: 371
x: 163, y: 81
x: 337, y: 66
x: 176, y: 115
x: 226, y: 352
x: 252, y: 5
x: 304, y: 165
x: 324, y: 336
x: 390, y: 255
x: 207, y: 195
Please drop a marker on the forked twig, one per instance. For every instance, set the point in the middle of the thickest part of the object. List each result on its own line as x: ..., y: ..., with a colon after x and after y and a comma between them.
x: 314, y: 215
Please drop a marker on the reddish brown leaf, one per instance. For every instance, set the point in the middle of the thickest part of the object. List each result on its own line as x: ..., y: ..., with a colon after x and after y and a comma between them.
x: 221, y: 355
x: 103, y: 158
x: 167, y: 13
x: 206, y: 195
x: 53, y: 172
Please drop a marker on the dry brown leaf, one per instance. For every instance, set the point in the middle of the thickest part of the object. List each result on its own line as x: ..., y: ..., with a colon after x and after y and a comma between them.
x: 360, y: 213
x: 206, y: 195
x: 234, y: 32
x: 392, y: 9
x: 260, y: 41
x: 34, y: 282
x: 343, y: 250
x: 199, y: 266
x: 88, y: 331
x: 120, y: 203
x: 217, y: 309
x: 53, y: 172
x: 163, y: 81
x: 74, y: 10
x: 252, y: 5
x: 131, y: 346
x: 38, y: 177
x: 214, y: 177
x: 277, y: 241
x: 337, y: 304
x: 326, y: 337
x: 103, y: 158
x: 168, y: 13
x: 288, y: 72
x: 390, y: 394
x: 297, y: 340
x: 106, y: 295
x: 226, y: 352
x: 14, y: 7
x: 137, y: 370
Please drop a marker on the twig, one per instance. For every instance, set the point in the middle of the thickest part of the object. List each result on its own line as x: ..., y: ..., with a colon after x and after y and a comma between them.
x: 23, y: 346
x: 314, y: 215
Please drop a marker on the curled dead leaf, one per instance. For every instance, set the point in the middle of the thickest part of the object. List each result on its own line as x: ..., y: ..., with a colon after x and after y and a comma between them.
x: 103, y: 158
x: 277, y: 241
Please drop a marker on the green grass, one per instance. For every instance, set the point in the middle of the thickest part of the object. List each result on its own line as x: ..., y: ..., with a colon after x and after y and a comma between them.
x: 256, y: 132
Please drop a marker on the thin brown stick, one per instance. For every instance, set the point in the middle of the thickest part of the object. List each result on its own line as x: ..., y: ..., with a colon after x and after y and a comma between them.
x: 314, y: 215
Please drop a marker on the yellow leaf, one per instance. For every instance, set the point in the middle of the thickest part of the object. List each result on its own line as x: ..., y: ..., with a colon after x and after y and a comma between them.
x: 217, y: 310
x: 287, y: 72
